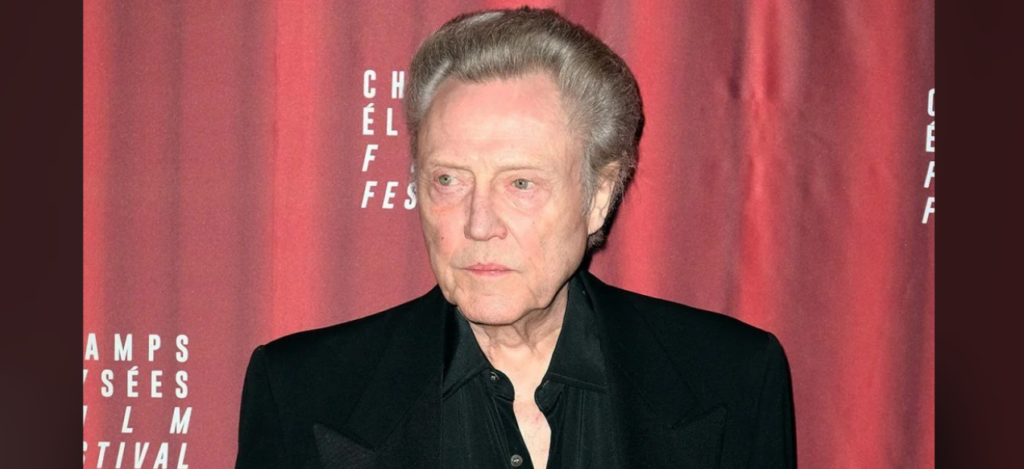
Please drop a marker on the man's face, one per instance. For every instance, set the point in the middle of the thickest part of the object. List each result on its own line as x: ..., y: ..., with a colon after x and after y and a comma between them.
x: 499, y: 182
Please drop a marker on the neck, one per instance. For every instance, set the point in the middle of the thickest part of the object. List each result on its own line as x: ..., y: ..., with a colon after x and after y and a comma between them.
x: 522, y: 350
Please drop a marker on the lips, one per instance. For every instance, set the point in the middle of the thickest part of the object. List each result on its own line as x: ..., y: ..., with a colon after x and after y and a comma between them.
x: 488, y: 269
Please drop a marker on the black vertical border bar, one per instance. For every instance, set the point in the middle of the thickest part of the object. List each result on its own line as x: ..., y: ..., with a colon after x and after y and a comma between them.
x: 42, y: 227
x: 979, y: 325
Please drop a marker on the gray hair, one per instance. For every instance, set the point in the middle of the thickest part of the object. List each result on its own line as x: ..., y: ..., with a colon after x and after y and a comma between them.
x: 597, y: 89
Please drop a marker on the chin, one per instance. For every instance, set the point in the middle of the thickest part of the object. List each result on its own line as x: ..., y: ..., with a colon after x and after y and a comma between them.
x: 490, y: 311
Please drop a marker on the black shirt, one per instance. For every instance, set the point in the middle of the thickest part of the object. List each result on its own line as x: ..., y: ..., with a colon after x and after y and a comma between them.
x: 479, y: 427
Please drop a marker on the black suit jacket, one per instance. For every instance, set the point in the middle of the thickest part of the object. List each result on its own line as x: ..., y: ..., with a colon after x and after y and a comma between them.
x: 693, y: 389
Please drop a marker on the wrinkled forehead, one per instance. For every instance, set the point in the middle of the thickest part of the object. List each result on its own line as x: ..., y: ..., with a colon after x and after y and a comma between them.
x: 524, y: 112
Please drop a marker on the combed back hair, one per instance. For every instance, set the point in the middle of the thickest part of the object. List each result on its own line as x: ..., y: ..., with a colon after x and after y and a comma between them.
x: 597, y: 89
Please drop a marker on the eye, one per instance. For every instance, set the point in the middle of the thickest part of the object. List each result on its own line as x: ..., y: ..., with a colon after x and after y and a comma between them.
x: 521, y: 184
x: 445, y: 179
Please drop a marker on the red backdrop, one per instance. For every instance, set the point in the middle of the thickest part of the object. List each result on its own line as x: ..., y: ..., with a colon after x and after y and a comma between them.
x: 783, y: 180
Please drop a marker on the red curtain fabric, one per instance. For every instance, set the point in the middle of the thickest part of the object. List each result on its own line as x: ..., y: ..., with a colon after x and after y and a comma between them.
x: 227, y: 198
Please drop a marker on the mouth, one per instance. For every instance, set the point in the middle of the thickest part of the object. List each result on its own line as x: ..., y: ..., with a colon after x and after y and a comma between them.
x: 488, y: 270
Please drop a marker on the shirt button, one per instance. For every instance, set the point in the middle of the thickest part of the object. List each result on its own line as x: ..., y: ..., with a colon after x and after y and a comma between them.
x: 494, y: 377
x: 516, y: 460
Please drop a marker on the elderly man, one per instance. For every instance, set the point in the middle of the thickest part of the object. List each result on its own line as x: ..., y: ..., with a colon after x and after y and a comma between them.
x: 524, y: 131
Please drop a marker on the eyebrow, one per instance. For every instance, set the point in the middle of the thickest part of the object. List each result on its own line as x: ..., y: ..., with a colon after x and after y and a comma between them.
x: 499, y: 168
x: 442, y: 163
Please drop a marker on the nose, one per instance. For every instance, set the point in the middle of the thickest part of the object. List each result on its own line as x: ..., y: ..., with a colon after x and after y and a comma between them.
x: 483, y: 222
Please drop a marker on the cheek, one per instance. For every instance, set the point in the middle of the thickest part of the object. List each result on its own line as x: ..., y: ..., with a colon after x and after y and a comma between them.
x: 538, y: 237
x: 562, y: 234
x: 440, y: 226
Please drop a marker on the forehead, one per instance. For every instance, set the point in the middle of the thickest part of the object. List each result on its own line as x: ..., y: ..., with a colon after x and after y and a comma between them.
x: 520, y: 117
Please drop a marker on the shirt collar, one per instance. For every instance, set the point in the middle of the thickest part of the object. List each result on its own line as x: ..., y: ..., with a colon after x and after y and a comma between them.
x: 576, y: 361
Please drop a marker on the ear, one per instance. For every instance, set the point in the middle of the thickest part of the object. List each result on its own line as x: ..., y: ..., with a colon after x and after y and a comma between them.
x: 601, y: 202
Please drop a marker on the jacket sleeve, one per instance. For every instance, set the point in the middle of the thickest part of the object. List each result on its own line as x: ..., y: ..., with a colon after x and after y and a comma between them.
x: 774, y: 444
x: 260, y: 437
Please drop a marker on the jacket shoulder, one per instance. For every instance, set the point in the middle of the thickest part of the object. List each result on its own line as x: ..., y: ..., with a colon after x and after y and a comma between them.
x: 719, y: 353
x: 685, y: 323
x: 336, y: 359
x: 355, y: 336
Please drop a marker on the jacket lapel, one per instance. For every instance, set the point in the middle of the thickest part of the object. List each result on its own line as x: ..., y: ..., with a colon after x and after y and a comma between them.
x: 338, y: 451
x: 396, y: 422
x: 662, y: 422
x: 633, y: 348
